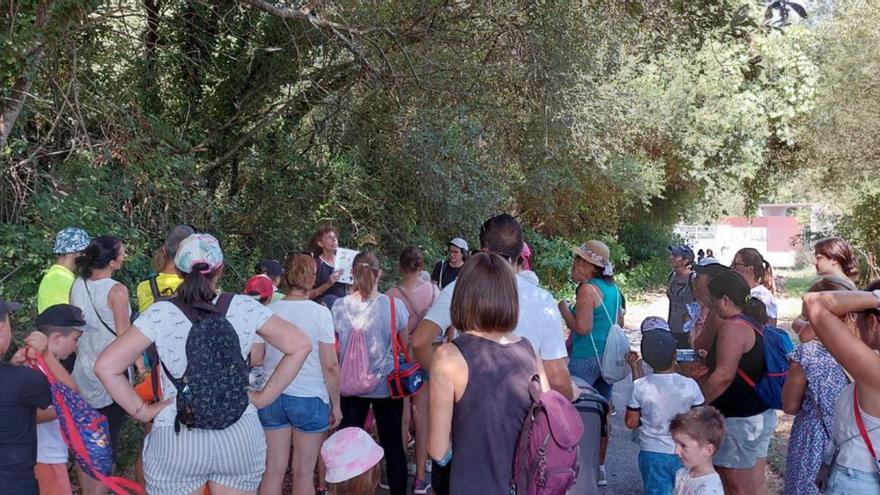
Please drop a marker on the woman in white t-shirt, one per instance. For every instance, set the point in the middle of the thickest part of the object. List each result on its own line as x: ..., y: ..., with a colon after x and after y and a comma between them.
x: 853, y: 470
x: 309, y: 406
x: 229, y: 460
x: 757, y: 271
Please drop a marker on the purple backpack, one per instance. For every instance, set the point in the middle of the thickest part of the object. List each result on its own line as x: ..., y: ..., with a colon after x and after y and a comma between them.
x: 546, y: 461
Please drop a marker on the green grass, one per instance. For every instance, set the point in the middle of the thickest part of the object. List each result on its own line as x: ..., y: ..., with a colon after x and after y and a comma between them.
x: 796, y: 281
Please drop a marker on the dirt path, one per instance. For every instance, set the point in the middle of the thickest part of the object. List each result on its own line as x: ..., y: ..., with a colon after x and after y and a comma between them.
x: 622, y: 462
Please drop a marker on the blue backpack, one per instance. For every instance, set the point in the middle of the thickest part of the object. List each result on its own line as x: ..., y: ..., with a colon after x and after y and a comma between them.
x: 777, y: 346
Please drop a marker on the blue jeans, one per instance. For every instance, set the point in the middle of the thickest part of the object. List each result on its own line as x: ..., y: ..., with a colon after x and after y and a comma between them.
x: 305, y: 414
x: 658, y: 472
x: 587, y: 369
x: 846, y: 481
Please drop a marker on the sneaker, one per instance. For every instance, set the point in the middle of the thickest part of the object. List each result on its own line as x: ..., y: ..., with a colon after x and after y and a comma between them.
x: 603, y: 478
x: 422, y: 487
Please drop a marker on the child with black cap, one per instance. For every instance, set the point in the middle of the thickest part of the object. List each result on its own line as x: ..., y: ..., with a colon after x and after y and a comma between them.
x: 655, y: 400
x: 61, y: 325
x: 22, y: 392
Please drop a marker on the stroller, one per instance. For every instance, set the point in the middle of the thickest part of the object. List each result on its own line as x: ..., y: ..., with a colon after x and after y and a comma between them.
x: 593, y: 409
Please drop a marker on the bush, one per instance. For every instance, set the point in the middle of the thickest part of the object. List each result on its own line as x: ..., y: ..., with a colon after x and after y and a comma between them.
x: 646, y: 276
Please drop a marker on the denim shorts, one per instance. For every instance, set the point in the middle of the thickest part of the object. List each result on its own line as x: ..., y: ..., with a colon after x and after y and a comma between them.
x: 658, y: 472
x: 587, y: 369
x: 305, y: 414
x: 746, y: 440
x: 847, y: 481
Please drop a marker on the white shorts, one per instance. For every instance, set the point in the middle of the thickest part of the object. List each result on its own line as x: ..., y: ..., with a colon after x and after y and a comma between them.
x: 746, y: 440
x: 176, y: 464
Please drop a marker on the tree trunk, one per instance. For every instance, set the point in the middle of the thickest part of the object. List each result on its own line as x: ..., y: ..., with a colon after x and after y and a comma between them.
x: 10, y: 108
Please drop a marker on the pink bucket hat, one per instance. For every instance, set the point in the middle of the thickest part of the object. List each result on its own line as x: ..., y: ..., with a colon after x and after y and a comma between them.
x: 348, y: 453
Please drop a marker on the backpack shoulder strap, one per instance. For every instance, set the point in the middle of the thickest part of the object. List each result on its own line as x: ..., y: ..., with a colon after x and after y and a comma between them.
x: 223, y: 302
x: 154, y: 288
x: 194, y: 312
x: 419, y: 314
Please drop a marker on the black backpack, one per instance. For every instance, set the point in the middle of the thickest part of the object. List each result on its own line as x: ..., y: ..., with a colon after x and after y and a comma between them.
x: 212, y: 393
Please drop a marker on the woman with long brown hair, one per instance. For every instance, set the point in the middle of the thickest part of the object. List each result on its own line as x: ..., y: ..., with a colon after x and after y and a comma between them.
x: 757, y: 271
x: 364, y: 318
x: 738, y: 352
x: 835, y: 258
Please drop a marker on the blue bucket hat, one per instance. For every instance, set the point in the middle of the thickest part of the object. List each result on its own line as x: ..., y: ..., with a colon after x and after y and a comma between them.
x: 71, y: 240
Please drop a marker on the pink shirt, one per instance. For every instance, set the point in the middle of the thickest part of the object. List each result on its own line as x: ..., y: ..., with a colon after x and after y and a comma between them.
x: 417, y: 300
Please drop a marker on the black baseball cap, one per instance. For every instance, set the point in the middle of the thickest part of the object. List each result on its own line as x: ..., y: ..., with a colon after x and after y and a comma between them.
x: 658, y: 349
x: 271, y: 268
x: 61, y: 315
x: 7, y: 307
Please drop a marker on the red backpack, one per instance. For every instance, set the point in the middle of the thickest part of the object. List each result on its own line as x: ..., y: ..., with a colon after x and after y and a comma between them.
x: 546, y: 461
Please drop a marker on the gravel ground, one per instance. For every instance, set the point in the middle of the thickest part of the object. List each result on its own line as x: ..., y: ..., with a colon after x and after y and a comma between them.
x: 622, y: 461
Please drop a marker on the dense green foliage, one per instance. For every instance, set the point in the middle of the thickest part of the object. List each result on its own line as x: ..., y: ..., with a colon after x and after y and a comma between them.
x: 411, y: 121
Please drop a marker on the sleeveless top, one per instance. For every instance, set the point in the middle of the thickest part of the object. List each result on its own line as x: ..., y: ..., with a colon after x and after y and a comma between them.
x: 854, y: 453
x: 582, y: 346
x: 487, y: 420
x: 91, y: 297
x: 740, y: 399
x: 324, y: 270
x: 418, y: 301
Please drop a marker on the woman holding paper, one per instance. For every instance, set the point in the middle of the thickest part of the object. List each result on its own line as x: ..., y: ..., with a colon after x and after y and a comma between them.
x: 328, y: 288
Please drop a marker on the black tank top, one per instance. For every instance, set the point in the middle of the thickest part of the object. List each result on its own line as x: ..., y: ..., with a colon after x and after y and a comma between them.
x: 323, y: 275
x: 740, y: 399
x: 486, y: 421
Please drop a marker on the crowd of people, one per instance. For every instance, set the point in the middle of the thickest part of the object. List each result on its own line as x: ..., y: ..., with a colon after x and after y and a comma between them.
x: 301, y: 372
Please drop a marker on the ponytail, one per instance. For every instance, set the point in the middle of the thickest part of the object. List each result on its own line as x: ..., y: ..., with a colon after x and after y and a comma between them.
x: 99, y: 253
x: 760, y: 267
x: 767, y: 279
x: 198, y: 287
x: 756, y: 310
x: 365, y: 270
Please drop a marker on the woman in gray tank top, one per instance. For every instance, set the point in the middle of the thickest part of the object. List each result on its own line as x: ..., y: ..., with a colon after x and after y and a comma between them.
x: 480, y: 382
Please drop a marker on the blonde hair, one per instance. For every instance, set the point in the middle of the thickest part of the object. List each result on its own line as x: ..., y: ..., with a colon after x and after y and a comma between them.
x: 362, y: 484
x: 365, y: 270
